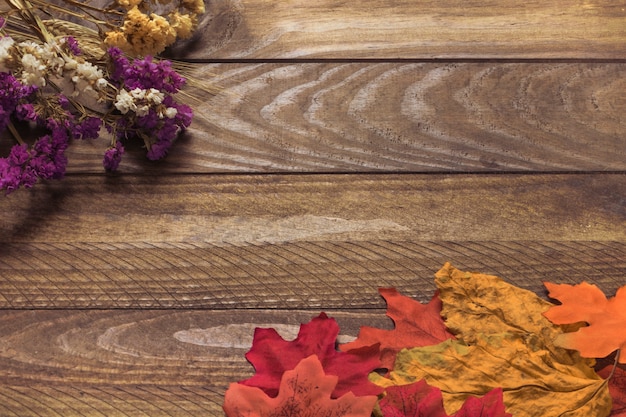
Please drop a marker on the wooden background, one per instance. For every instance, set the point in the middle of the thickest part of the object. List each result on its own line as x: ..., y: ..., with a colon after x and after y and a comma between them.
x: 352, y: 145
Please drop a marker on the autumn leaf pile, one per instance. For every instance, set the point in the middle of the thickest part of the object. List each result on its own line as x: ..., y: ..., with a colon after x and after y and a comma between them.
x: 480, y: 348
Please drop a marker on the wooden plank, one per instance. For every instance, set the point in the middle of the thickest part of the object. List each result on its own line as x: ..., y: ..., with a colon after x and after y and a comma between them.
x: 409, y: 117
x: 309, y: 274
x: 309, y: 241
x: 235, y: 29
x: 135, y: 363
x: 36, y: 400
x: 243, y: 209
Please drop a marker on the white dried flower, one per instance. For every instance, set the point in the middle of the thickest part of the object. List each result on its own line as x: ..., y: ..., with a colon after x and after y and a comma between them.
x: 155, y: 96
x: 101, y: 83
x: 30, y: 47
x: 171, y: 112
x: 87, y: 76
x: 89, y: 72
x: 6, y: 43
x: 142, y: 110
x: 124, y: 102
x: 49, y: 53
x: 70, y: 63
x: 33, y: 71
x: 138, y: 93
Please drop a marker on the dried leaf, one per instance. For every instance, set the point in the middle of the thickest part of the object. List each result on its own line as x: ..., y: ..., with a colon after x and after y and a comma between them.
x: 271, y: 356
x: 304, y: 392
x: 504, y: 341
x: 416, y: 324
x: 476, y: 303
x: 587, y: 303
x: 420, y: 399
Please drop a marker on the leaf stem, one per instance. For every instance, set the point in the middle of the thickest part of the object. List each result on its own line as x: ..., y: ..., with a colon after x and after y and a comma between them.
x: 614, y: 364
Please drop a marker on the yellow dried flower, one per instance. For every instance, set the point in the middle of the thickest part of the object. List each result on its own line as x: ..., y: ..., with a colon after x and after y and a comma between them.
x: 161, y: 31
x: 143, y: 34
x: 194, y: 6
x: 183, y: 24
x: 128, y: 4
x: 117, y: 38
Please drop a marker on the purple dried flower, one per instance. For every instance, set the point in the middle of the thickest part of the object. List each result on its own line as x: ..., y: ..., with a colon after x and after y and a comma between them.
x: 119, y: 63
x: 49, y: 160
x: 89, y: 128
x: 10, y: 176
x: 168, y: 131
x: 72, y: 45
x: 60, y: 165
x: 19, y: 154
x: 43, y: 147
x: 63, y: 102
x: 40, y: 166
x: 113, y: 156
x: 28, y: 177
x: 184, y: 116
x: 144, y: 73
x: 12, y: 92
x: 149, y: 121
x: 159, y: 149
x: 121, y: 128
x: 46, y: 159
x: 26, y: 112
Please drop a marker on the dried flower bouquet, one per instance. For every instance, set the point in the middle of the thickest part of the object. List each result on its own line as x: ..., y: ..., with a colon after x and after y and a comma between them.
x: 73, y: 70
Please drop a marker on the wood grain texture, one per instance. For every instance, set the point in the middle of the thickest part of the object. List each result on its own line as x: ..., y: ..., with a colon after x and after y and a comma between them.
x: 299, y: 241
x: 314, y: 274
x: 243, y: 209
x: 235, y: 29
x: 351, y: 146
x: 106, y: 363
x: 401, y: 117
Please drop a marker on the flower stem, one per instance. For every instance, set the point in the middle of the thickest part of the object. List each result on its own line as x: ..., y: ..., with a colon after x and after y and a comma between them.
x: 15, y: 133
x: 25, y: 9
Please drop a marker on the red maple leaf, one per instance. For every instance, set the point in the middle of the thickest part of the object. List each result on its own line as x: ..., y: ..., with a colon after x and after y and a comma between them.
x: 490, y: 405
x: 422, y: 400
x: 304, y: 392
x: 617, y: 388
x: 416, y: 325
x: 271, y: 356
x: 413, y: 400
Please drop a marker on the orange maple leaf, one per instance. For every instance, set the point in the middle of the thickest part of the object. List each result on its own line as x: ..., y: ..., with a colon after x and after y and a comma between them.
x: 606, y: 319
x: 304, y: 392
x: 416, y: 324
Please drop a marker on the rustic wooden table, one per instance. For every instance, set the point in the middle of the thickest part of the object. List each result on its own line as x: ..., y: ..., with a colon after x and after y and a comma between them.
x: 353, y: 145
